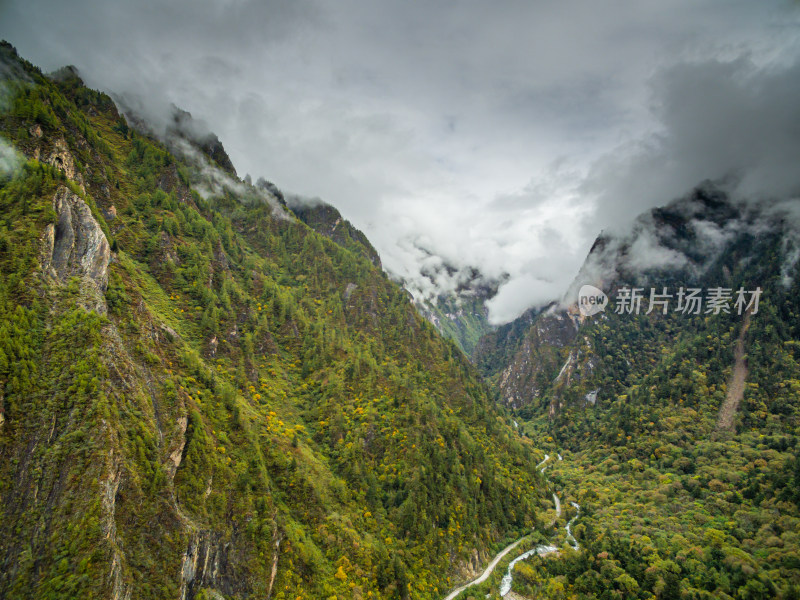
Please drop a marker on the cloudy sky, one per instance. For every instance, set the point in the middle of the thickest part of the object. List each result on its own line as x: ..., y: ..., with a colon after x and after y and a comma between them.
x: 497, y: 135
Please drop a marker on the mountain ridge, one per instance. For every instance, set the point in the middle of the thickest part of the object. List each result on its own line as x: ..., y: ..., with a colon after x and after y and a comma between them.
x: 240, y: 406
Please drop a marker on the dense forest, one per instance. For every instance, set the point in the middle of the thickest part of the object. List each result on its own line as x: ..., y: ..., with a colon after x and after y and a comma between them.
x: 203, y: 397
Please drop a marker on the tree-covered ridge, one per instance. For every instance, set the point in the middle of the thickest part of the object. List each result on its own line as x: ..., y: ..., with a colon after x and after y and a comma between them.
x: 674, y: 507
x: 325, y: 219
x: 249, y: 410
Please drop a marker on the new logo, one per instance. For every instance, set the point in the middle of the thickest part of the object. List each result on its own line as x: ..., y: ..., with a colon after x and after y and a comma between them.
x: 591, y: 300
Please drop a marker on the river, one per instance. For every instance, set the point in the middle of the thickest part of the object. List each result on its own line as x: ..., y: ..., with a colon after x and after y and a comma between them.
x: 540, y: 550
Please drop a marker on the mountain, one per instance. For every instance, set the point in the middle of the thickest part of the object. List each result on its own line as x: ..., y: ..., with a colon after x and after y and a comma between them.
x: 210, y: 389
x: 204, y: 396
x: 678, y: 426
x: 704, y: 240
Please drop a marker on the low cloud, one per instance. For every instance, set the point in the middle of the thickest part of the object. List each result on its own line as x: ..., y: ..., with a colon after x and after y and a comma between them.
x: 646, y: 252
x: 492, y: 138
x: 10, y: 159
x: 211, y: 181
x: 734, y: 122
x: 788, y: 213
x: 297, y: 201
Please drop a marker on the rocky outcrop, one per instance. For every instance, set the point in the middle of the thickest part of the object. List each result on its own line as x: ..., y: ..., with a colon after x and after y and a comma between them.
x: 54, y: 151
x: 76, y: 246
x: 348, y: 290
x: 205, y: 565
x: 109, y: 488
x: 176, y: 456
x: 533, y: 366
x: 61, y: 158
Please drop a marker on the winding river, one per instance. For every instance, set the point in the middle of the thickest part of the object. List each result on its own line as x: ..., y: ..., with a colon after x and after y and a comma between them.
x: 540, y: 550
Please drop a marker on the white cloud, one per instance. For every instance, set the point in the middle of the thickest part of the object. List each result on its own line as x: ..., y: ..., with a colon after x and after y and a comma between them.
x: 501, y: 136
x: 10, y: 159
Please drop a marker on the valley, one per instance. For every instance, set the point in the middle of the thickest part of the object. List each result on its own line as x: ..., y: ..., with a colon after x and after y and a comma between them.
x: 211, y: 389
x: 681, y: 429
x: 506, y: 582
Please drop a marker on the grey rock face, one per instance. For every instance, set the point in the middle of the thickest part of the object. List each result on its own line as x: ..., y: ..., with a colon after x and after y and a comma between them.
x: 61, y: 158
x: 76, y: 245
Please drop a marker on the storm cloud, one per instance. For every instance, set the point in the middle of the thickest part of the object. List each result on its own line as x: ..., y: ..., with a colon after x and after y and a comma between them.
x: 493, y: 136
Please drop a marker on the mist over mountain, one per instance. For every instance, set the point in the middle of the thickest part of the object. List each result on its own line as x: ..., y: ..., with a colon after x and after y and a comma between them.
x: 294, y: 304
x: 705, y: 240
x: 687, y: 238
x: 464, y: 136
x: 203, y: 395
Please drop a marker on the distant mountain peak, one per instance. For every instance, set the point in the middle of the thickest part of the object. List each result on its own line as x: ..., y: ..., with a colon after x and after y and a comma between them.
x: 197, y: 133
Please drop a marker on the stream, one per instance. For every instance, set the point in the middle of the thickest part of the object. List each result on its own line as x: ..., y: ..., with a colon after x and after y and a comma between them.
x: 540, y: 550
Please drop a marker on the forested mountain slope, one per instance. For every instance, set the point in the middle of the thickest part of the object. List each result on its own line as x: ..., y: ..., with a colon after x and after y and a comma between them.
x: 202, y: 397
x: 683, y: 426
x: 325, y: 219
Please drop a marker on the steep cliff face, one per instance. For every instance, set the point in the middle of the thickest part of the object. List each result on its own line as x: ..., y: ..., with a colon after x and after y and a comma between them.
x: 76, y: 245
x: 535, y: 365
x: 202, y: 396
